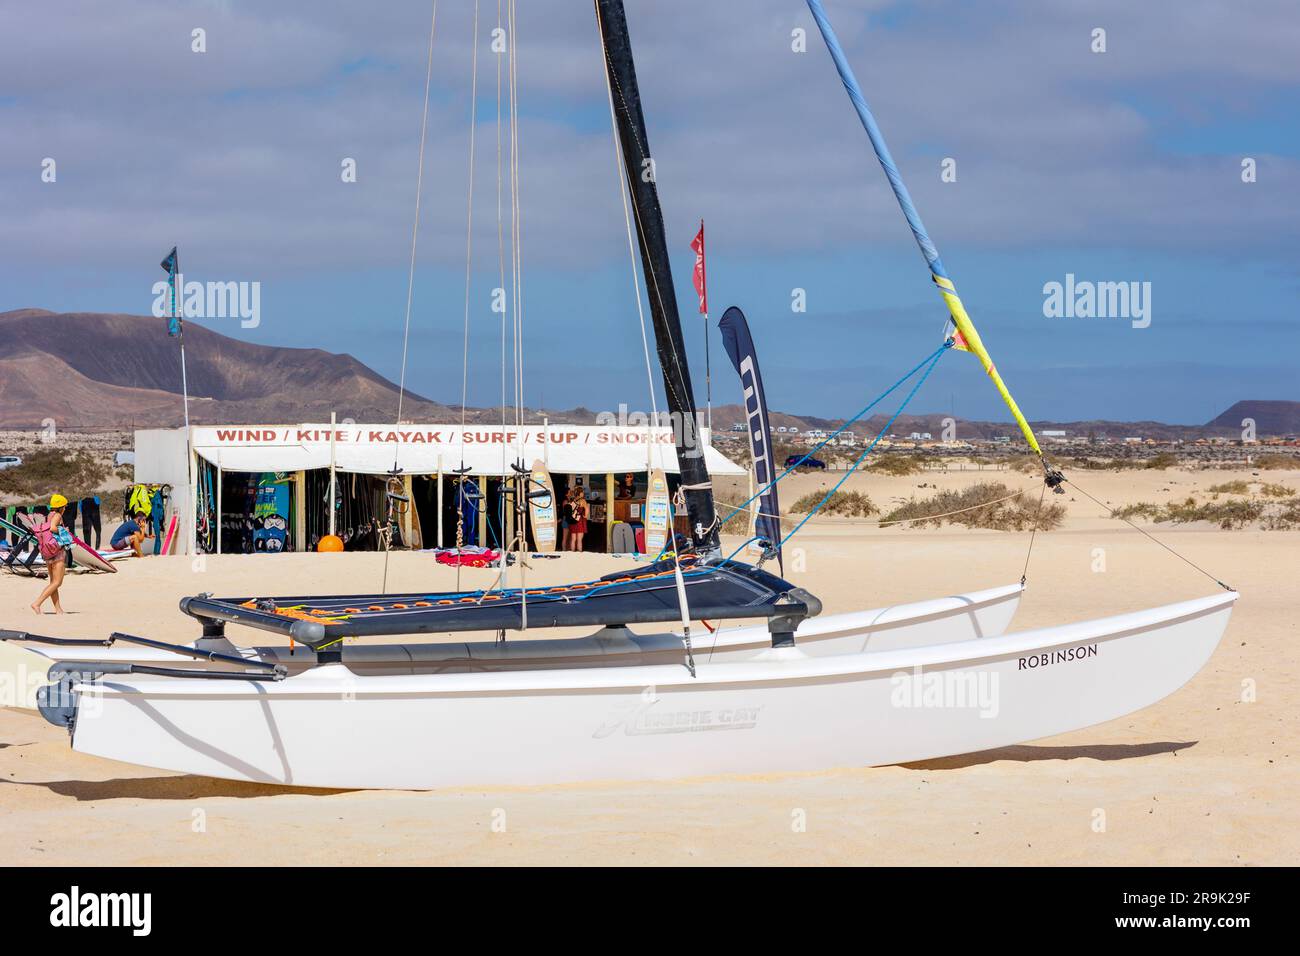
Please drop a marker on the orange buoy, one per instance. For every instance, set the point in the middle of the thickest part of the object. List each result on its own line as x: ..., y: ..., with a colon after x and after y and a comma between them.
x: 330, y: 543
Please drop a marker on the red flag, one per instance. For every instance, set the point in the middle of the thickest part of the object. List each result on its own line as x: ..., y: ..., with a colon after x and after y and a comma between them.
x: 701, y: 286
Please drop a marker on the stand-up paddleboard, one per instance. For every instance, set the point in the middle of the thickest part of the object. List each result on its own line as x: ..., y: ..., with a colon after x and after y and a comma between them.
x: 417, y: 530
x: 542, y: 508
x: 82, y: 553
x: 169, y: 541
x: 657, y: 512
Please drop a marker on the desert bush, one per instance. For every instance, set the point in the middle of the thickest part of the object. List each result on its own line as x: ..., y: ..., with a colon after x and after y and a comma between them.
x: 842, y: 504
x: 1284, y: 519
x: 1272, y: 461
x: 1139, y: 509
x: 896, y: 465
x: 980, y: 506
x: 1269, y: 490
x: 47, y: 470
x: 1230, y: 488
x: 1226, y: 514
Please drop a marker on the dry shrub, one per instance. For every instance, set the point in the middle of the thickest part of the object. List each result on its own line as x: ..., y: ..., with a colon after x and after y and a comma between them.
x: 896, y: 465
x: 980, y: 506
x: 47, y: 470
x: 1230, y: 488
x: 841, y: 504
x: 1272, y: 461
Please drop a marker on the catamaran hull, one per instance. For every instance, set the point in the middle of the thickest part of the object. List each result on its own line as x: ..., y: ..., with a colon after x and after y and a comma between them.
x: 959, y: 617
x: 784, y: 711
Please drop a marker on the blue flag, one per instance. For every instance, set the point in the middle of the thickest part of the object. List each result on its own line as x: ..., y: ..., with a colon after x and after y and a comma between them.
x: 171, y: 265
x: 740, y: 349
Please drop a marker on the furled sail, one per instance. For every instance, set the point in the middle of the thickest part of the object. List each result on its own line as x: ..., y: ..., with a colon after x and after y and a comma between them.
x: 965, y: 336
x: 739, y: 343
x: 639, y: 166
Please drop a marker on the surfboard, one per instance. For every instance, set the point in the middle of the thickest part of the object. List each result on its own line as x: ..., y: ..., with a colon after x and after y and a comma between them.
x: 82, y: 553
x: 657, y: 513
x: 542, y: 510
x: 169, y: 541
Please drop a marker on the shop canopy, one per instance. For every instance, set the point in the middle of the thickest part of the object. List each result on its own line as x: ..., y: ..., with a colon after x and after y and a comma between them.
x: 430, y: 449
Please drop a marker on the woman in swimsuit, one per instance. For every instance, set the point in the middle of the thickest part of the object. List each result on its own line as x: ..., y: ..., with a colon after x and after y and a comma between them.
x: 56, y: 565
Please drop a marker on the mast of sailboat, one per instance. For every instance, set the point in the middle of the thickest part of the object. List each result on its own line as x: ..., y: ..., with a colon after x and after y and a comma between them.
x: 695, y: 484
x: 965, y: 337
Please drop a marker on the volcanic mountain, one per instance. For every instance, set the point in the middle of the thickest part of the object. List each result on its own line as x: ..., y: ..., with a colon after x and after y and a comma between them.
x: 1270, y: 417
x: 93, y: 370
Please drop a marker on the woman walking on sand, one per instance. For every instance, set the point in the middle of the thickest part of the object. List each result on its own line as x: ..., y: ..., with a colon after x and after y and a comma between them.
x: 53, y: 540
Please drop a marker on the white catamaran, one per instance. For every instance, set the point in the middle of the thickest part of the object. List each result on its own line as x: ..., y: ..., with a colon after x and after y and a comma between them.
x: 794, y: 692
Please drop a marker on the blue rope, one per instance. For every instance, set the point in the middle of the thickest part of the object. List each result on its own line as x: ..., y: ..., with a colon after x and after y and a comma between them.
x: 932, y: 357
x: 933, y: 360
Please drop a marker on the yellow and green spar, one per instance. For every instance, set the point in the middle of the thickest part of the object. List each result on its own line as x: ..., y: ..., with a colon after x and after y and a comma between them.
x: 965, y: 337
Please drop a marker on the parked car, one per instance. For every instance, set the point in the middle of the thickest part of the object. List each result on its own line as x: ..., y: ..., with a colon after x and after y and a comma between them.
x: 816, y: 464
x: 9, y: 461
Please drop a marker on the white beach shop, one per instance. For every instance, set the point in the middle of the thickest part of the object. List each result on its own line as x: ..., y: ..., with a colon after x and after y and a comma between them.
x: 266, y: 487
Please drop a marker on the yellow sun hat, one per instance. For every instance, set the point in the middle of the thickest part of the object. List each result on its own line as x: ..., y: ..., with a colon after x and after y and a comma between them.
x: 58, y: 501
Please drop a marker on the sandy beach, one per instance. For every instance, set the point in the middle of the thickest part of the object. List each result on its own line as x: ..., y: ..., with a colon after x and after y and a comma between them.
x: 1207, y: 776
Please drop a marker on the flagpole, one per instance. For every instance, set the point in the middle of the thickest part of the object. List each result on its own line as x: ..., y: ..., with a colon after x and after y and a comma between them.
x: 173, y: 266
x: 701, y: 288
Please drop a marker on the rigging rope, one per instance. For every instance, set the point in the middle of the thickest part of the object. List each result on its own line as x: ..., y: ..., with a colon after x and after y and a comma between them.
x: 517, y: 297
x: 415, y: 237
x: 1113, y: 514
x: 930, y: 363
x: 624, y: 187
x: 469, y: 230
x: 1033, y: 533
x: 933, y: 356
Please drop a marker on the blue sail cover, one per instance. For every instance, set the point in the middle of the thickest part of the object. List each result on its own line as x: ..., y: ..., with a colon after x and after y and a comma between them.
x: 739, y: 344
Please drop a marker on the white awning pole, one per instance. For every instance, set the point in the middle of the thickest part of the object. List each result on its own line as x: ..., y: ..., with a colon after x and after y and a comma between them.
x: 333, y: 486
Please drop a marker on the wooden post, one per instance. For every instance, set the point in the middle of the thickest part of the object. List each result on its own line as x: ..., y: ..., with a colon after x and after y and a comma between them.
x: 609, y: 511
x: 300, y: 510
x: 508, y: 532
x: 218, y: 517
x: 439, y: 542
x: 408, y: 487
x: 482, y: 510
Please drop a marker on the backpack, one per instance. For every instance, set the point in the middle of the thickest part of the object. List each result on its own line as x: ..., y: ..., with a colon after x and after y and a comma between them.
x: 46, y: 542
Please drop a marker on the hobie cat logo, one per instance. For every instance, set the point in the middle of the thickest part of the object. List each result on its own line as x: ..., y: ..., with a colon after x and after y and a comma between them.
x: 636, y: 720
x: 211, y: 300
x: 75, y: 908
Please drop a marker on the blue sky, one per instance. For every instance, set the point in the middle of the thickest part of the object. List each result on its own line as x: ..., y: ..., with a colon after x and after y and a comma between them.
x: 1119, y: 166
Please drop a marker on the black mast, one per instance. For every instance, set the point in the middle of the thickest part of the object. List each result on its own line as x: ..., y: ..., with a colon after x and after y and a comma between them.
x: 658, y: 276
